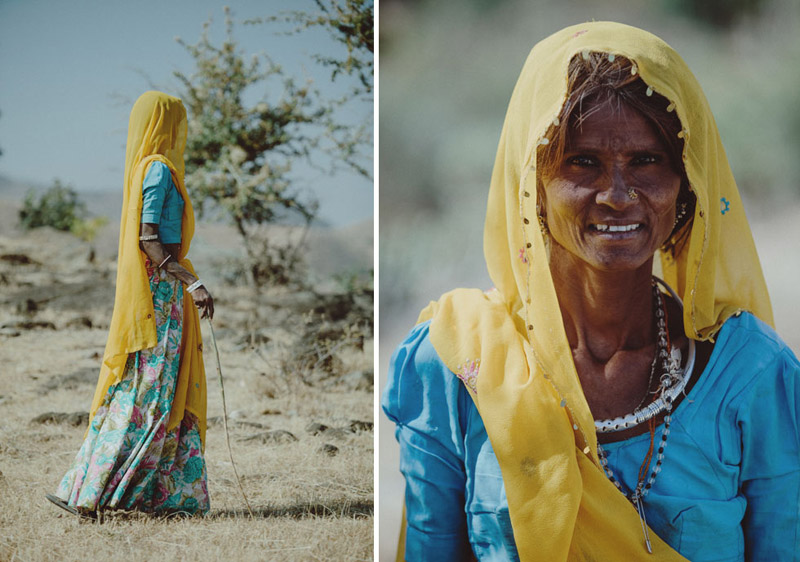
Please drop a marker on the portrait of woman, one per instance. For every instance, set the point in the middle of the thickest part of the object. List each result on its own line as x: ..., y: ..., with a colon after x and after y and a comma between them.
x: 143, y: 449
x: 620, y: 392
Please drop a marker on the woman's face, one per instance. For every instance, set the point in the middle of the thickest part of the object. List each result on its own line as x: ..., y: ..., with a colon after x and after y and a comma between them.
x: 611, y: 203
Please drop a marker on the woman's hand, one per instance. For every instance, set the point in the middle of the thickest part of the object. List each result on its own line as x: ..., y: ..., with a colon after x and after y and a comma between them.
x: 204, y: 302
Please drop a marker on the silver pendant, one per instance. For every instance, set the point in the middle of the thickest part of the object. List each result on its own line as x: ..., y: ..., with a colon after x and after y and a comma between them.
x: 637, y: 501
x: 675, y: 370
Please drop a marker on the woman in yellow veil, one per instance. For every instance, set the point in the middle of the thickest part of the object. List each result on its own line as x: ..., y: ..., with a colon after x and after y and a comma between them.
x: 584, y: 409
x: 143, y: 448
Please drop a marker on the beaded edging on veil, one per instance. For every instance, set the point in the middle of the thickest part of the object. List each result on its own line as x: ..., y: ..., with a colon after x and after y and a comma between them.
x: 509, y: 344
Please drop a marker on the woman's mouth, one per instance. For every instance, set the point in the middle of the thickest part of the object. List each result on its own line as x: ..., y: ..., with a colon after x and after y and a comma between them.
x: 616, y: 230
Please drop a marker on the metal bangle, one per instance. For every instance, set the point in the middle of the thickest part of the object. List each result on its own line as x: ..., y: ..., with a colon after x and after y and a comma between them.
x: 147, y: 237
x: 166, y: 259
x: 194, y: 286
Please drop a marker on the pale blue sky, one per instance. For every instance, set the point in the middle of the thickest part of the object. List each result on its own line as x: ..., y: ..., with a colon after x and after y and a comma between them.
x: 70, y: 70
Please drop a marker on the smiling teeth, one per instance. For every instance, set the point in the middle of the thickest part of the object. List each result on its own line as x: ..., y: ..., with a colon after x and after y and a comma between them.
x: 614, y: 228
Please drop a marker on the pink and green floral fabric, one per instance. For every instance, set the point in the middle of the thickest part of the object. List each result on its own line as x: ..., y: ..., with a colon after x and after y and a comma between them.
x: 129, y: 460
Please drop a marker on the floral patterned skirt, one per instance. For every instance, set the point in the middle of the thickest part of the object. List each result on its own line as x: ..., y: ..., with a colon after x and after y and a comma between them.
x: 129, y: 459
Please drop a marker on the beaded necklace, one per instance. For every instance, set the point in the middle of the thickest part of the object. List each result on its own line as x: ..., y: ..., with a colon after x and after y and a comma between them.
x: 649, y: 384
x: 672, y: 378
x: 677, y: 378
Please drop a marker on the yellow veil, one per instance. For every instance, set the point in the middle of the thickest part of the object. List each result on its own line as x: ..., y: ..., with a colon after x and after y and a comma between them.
x: 156, y: 131
x: 527, y: 390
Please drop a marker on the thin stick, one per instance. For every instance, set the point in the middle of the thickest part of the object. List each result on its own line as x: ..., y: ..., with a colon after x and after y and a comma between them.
x: 225, y: 417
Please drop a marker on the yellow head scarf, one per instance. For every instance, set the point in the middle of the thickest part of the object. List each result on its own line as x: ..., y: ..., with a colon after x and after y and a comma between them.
x: 527, y: 391
x: 156, y: 131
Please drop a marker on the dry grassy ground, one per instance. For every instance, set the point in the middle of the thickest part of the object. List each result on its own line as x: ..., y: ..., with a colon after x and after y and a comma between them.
x: 311, y: 488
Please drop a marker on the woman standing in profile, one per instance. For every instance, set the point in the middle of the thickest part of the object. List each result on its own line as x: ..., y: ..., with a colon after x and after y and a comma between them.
x: 143, y: 449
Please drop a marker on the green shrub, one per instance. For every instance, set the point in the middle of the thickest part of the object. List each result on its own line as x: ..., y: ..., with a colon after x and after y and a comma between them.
x: 59, y: 207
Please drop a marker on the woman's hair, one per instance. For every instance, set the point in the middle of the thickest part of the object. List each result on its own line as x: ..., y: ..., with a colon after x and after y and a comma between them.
x: 596, y: 81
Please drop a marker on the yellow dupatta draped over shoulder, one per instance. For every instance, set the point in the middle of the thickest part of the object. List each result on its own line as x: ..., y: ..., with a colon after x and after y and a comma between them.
x: 156, y: 131
x: 528, y: 393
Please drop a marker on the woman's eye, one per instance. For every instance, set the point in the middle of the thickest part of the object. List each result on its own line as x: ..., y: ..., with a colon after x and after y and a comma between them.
x: 581, y: 161
x: 646, y: 159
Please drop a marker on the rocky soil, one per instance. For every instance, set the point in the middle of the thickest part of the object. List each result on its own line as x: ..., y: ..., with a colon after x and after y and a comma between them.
x: 298, y: 372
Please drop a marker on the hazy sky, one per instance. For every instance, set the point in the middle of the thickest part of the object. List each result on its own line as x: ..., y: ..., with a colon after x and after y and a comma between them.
x: 70, y: 71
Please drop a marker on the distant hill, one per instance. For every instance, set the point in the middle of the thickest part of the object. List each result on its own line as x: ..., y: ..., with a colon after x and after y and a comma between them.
x: 332, y: 250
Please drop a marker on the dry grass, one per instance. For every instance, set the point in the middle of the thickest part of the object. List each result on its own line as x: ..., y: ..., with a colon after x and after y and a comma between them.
x: 308, y: 505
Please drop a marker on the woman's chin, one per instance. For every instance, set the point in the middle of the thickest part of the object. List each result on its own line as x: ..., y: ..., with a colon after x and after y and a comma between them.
x: 618, y: 260
x: 619, y: 264
x: 614, y: 257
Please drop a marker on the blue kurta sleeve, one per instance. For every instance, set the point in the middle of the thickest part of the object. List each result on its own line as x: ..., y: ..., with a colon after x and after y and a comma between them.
x: 769, y: 421
x: 426, y: 400
x: 154, y: 191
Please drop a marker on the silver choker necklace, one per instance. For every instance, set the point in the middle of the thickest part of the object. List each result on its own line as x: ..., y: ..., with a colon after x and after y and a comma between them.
x: 673, y: 379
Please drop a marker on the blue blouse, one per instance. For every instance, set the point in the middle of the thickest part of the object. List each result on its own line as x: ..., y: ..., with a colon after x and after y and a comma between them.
x: 161, y: 203
x: 729, y: 489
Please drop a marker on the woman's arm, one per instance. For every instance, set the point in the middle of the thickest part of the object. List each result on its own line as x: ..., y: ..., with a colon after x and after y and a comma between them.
x: 422, y: 399
x: 159, y: 254
x: 155, y: 186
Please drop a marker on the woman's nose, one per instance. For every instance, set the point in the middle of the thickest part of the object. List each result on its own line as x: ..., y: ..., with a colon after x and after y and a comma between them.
x: 616, y: 193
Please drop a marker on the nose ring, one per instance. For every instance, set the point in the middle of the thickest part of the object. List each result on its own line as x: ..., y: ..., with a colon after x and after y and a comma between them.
x: 632, y: 194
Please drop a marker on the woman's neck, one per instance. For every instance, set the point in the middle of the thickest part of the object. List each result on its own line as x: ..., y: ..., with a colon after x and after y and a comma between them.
x: 603, y: 311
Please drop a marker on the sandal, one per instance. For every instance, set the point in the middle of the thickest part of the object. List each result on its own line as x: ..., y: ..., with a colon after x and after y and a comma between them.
x: 66, y: 507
